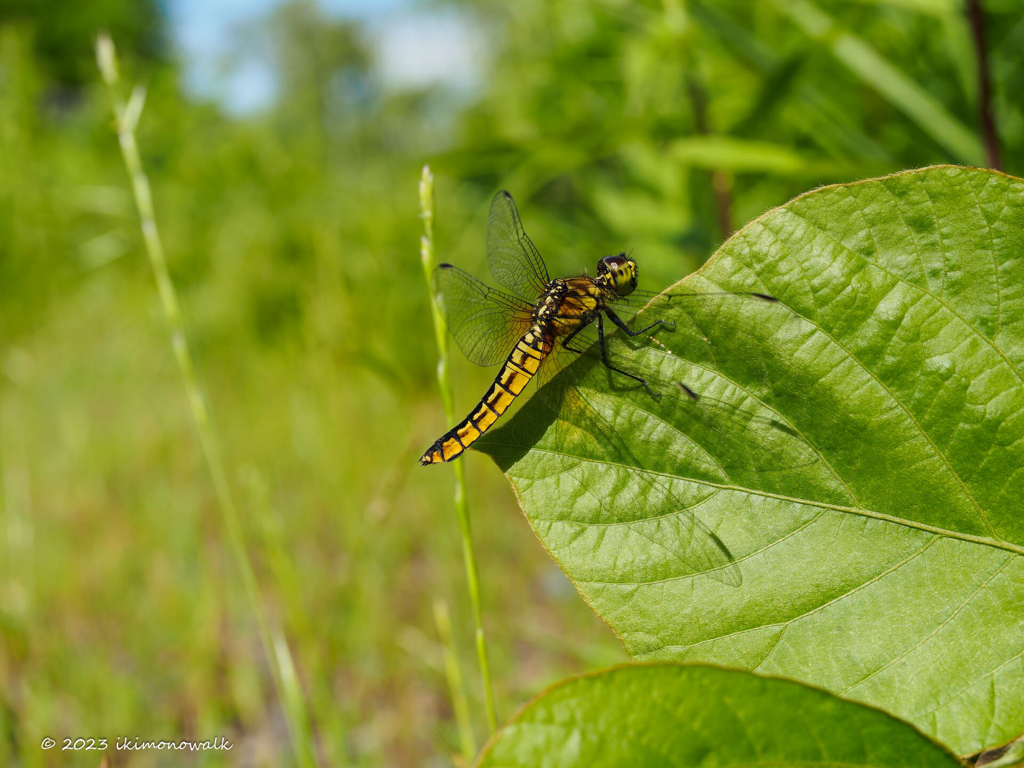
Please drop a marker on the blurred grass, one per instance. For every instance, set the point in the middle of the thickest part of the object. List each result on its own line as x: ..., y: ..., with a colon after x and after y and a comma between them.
x: 428, y: 258
x: 453, y: 671
x: 275, y: 647
x: 291, y: 236
x: 890, y: 81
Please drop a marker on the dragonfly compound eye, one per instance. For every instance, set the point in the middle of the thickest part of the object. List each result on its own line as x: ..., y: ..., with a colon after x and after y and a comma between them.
x: 619, y: 272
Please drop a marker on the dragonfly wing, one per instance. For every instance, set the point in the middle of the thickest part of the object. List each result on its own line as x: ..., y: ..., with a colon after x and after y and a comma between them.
x: 705, y: 434
x: 732, y: 424
x: 692, y: 295
x: 514, y: 260
x: 661, y: 514
x: 485, y: 323
x: 629, y: 306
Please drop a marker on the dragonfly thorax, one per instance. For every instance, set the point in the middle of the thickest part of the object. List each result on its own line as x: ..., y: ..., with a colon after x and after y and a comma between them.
x: 617, y: 273
x: 550, y: 302
x: 568, y: 304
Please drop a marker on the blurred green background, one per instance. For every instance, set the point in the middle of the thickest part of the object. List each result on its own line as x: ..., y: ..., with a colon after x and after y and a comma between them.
x: 284, y: 140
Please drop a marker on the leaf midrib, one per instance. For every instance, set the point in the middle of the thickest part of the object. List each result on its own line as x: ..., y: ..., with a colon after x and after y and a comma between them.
x: 1004, y: 545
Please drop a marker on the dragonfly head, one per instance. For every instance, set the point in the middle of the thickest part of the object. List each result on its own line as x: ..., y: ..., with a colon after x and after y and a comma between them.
x: 617, y: 273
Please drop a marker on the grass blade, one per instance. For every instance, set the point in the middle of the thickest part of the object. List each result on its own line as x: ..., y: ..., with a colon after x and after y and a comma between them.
x: 429, y: 258
x: 278, y: 656
x: 454, y: 675
x: 886, y: 78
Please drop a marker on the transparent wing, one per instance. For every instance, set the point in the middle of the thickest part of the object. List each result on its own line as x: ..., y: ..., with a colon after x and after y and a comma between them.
x: 629, y: 306
x: 735, y: 425
x: 662, y: 515
x: 484, y: 322
x: 514, y: 260
x: 734, y: 418
x: 704, y: 441
x: 698, y: 296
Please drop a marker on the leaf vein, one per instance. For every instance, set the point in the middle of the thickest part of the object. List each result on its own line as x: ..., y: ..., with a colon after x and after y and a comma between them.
x: 863, y: 511
x: 906, y: 410
x: 929, y: 636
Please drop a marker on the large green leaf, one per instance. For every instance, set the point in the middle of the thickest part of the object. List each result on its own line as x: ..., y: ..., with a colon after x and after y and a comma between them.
x: 696, y: 715
x: 858, y: 451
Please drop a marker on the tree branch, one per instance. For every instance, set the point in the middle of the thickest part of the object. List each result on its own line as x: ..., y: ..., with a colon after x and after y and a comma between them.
x: 976, y: 17
x: 721, y: 186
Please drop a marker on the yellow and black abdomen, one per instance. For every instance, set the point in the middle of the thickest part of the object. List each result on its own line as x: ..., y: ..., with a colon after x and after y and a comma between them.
x: 517, y: 370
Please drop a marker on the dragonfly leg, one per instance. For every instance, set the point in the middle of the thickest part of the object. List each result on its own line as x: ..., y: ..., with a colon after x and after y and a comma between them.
x: 567, y: 339
x: 607, y: 363
x: 618, y: 321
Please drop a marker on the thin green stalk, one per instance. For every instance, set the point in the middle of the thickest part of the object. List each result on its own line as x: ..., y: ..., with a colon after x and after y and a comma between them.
x: 454, y: 674
x: 445, y: 385
x: 274, y: 644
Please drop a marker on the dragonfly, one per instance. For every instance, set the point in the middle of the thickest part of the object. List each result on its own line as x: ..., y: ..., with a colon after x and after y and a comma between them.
x: 534, y: 321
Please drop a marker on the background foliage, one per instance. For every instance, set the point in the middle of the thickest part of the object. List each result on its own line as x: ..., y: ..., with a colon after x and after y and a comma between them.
x: 292, y: 236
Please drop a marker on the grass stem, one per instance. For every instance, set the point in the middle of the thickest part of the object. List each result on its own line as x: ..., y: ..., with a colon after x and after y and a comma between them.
x: 276, y: 649
x: 454, y: 674
x: 429, y: 258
